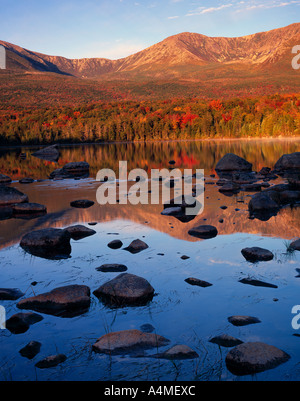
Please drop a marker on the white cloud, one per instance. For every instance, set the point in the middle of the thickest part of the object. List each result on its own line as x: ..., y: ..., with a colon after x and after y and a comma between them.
x: 203, y: 10
x: 174, y: 17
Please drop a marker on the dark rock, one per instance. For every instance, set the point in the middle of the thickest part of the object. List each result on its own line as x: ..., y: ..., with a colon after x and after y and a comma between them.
x: 196, y: 281
x: 78, y: 232
x: 82, y: 203
x: 4, y: 179
x: 128, y: 341
x: 49, y: 153
x: 31, y: 349
x: 257, y: 283
x: 288, y: 162
x: 232, y: 162
x: 203, y: 231
x: 264, y: 205
x: 51, y: 361
x: 26, y: 180
x: 178, y: 352
x: 49, y: 243
x: 147, y: 328
x: 257, y: 254
x: 295, y: 245
x: 230, y: 187
x: 115, y: 244
x: 184, y: 257
x: 225, y: 340
x: 172, y: 211
x: 239, y: 320
x: 10, y: 294
x: 254, y: 357
x: 289, y: 197
x: 10, y: 195
x: 21, y: 209
x: 112, y: 268
x: 264, y: 171
x: 184, y: 202
x: 68, y: 301
x: 72, y: 170
x: 255, y: 187
x: 6, y: 213
x: 136, y: 246
x: 125, y: 290
x: 20, y: 322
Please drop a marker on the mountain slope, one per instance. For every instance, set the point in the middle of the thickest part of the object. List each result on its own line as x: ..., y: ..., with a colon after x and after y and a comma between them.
x: 184, y: 49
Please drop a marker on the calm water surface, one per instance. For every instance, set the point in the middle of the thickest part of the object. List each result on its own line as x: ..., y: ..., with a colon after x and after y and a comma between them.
x: 184, y: 314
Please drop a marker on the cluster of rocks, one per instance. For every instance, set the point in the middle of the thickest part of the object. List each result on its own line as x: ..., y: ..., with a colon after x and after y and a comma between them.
x: 15, y: 204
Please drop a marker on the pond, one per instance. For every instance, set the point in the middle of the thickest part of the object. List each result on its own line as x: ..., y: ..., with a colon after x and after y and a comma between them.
x: 184, y: 314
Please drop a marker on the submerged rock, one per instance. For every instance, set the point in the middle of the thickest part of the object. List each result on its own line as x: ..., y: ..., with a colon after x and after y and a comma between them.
x: 10, y: 195
x: 254, y: 357
x: 136, y: 246
x: 224, y: 340
x: 26, y: 180
x: 125, y: 290
x: 67, y: 301
x: 256, y: 254
x: 178, y: 352
x: 51, y: 361
x: 112, y: 268
x: 128, y: 341
x: 79, y: 231
x: 239, y: 320
x: 10, y: 294
x: 49, y: 243
x: 21, y: 209
x: 20, y: 322
x: 204, y: 231
x: 196, y: 281
x: 82, y: 203
x: 31, y: 349
x: 257, y: 283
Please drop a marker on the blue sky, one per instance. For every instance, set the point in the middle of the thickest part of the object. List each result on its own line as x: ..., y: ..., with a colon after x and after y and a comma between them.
x: 118, y: 28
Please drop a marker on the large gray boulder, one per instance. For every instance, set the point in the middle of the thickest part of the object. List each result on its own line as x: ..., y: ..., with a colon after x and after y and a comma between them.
x: 254, y: 357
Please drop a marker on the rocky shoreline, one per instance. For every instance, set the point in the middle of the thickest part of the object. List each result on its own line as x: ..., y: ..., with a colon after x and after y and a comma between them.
x: 235, y: 175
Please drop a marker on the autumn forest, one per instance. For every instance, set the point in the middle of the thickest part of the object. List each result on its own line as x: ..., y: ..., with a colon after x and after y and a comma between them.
x: 268, y: 116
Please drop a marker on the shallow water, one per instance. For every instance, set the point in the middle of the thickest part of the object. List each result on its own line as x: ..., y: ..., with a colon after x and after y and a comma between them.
x: 183, y: 313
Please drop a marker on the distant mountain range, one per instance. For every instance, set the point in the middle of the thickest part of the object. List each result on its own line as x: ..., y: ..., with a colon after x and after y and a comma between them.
x: 183, y: 65
x: 182, y: 50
